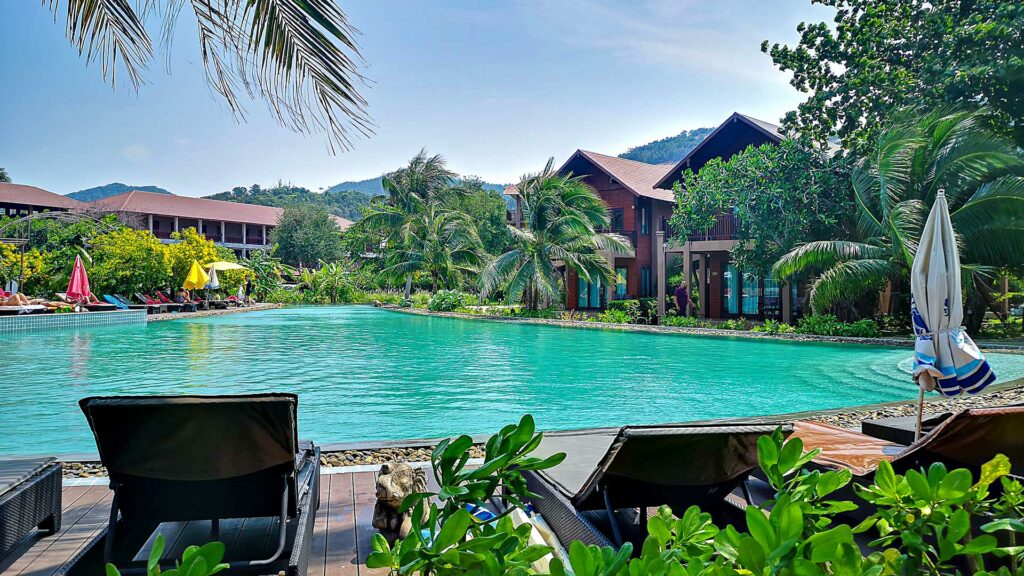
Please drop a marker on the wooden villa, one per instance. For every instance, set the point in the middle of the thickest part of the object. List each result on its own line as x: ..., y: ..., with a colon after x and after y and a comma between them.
x: 640, y: 199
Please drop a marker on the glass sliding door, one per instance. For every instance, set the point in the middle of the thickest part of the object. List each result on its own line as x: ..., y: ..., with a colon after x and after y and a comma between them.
x: 751, y: 294
x: 588, y: 294
x: 772, y: 299
x: 621, y: 282
x: 730, y: 290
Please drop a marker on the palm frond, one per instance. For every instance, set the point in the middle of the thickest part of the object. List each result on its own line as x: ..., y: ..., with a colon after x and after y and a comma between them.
x: 822, y: 254
x: 108, y: 30
x: 849, y: 280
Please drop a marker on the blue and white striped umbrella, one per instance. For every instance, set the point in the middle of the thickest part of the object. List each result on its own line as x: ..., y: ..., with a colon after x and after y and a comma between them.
x: 945, y: 357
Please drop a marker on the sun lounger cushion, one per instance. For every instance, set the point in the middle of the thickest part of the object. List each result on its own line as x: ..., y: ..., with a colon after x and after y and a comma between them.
x: 650, y: 465
x: 842, y: 448
x: 194, y: 438
x: 15, y: 470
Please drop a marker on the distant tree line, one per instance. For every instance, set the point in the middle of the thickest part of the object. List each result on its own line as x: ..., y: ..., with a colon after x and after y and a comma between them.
x: 667, y: 150
x: 344, y: 203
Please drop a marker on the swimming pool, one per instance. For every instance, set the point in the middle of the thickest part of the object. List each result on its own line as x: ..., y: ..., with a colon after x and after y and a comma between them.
x: 367, y: 374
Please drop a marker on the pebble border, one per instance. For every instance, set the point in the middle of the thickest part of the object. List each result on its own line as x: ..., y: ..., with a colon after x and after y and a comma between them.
x: 904, y: 342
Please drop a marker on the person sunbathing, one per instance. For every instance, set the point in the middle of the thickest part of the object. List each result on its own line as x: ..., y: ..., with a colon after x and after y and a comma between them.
x: 17, y: 299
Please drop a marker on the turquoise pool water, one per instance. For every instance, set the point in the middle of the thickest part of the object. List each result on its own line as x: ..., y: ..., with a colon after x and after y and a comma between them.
x: 364, y: 374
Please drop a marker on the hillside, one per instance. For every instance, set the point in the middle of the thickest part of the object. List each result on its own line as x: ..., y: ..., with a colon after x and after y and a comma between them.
x: 344, y: 203
x: 667, y: 150
x: 100, y: 192
x: 373, y: 187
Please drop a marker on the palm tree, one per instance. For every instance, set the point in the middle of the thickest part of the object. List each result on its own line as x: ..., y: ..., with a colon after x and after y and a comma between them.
x: 441, y: 242
x: 561, y: 219
x: 298, y: 55
x: 982, y: 176
x: 415, y: 230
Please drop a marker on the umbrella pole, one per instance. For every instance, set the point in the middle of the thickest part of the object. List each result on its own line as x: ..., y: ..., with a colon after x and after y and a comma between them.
x: 920, y: 412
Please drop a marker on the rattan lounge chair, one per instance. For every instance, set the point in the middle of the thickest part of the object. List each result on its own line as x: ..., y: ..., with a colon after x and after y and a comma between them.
x: 30, y: 490
x: 204, y: 460
x: 967, y: 439
x: 600, y: 493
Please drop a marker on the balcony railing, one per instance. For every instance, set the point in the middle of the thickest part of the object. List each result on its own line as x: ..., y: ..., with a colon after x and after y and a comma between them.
x: 724, y: 228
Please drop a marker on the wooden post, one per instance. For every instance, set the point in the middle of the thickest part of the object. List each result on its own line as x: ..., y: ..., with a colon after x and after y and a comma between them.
x: 785, y: 292
x: 688, y: 274
x: 659, y: 268
x: 245, y: 234
x: 920, y: 411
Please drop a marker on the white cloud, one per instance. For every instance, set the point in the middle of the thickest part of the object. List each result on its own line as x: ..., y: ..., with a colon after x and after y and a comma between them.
x: 678, y: 35
x: 136, y: 151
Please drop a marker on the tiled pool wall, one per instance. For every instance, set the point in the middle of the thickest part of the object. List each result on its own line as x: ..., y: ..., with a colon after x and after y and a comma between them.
x: 40, y: 322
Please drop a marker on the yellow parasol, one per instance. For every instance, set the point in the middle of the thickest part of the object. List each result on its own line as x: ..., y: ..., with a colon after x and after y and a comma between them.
x: 197, y: 277
x: 222, y: 265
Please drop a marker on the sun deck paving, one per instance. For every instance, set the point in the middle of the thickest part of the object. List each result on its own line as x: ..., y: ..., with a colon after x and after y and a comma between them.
x: 341, y: 535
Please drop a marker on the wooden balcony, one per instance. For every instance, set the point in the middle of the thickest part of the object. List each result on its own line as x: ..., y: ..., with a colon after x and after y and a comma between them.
x: 725, y: 228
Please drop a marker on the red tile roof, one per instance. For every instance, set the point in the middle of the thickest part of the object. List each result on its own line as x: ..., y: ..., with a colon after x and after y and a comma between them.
x: 637, y: 177
x: 37, y: 197
x: 138, y: 202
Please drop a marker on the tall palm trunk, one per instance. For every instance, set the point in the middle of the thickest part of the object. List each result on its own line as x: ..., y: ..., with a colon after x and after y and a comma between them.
x: 408, y: 286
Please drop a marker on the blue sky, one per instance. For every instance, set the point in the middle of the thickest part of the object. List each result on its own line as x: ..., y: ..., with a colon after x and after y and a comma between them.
x: 497, y: 88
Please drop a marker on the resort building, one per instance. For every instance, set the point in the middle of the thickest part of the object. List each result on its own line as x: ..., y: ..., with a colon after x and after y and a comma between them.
x: 640, y: 199
x: 241, y: 227
x: 21, y: 200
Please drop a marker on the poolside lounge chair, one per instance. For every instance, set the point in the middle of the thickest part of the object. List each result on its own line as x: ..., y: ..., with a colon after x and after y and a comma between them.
x: 30, y: 498
x: 204, y: 460
x: 164, y: 307
x: 185, y: 307
x: 149, y: 308
x: 608, y: 471
x: 966, y: 439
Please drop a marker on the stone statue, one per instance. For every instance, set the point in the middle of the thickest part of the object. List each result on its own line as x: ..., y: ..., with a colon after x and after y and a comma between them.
x: 395, y: 482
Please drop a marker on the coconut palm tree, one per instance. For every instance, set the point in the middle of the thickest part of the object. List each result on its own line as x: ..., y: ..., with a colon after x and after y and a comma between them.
x: 416, y: 231
x: 982, y: 176
x: 441, y: 242
x: 561, y: 219
x: 298, y: 55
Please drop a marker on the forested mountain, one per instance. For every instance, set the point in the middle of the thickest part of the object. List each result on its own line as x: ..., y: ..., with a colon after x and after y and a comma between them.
x: 667, y: 150
x: 373, y: 187
x: 100, y: 192
x: 345, y: 203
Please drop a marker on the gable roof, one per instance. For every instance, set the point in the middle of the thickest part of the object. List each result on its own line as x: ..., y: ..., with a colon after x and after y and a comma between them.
x: 637, y: 177
x: 763, y: 131
x: 139, y: 202
x: 36, y: 197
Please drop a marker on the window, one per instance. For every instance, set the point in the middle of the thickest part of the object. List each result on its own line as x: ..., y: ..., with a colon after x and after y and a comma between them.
x: 645, y: 282
x: 644, y: 229
x: 617, y: 219
x: 751, y: 294
x: 620, y: 283
x: 731, y: 290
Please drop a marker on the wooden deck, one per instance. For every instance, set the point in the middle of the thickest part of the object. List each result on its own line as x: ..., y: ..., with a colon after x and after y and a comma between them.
x: 341, y: 535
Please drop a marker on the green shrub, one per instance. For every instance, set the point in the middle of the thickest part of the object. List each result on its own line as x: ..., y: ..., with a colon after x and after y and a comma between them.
x: 202, y: 560
x: 420, y: 299
x: 611, y: 316
x: 741, y: 324
x: 642, y: 311
x: 774, y: 327
x: 685, y: 322
x: 829, y: 325
x: 444, y: 301
x: 932, y: 522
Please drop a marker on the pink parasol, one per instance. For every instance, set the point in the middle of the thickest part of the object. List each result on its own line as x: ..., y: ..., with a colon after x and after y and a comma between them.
x: 78, y: 287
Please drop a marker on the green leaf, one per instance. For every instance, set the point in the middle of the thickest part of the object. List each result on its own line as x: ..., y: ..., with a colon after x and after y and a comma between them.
x: 955, y: 484
x: 1014, y: 524
x: 111, y: 570
x: 760, y: 528
x: 767, y: 452
x: 919, y: 486
x: 994, y: 469
x: 751, y: 555
x: 157, y: 552
x: 981, y: 545
x: 959, y: 524
x: 825, y: 545
x: 790, y: 454
x: 453, y: 529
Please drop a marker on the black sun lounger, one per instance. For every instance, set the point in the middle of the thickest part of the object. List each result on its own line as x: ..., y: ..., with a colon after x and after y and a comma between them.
x: 206, y: 460
x: 30, y: 498
x: 608, y: 471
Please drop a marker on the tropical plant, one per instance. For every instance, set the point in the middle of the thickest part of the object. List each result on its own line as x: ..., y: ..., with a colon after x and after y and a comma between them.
x: 881, y: 55
x: 894, y: 187
x: 334, y: 282
x: 266, y: 269
x: 202, y: 560
x: 306, y: 234
x: 780, y: 194
x: 300, y: 56
x: 829, y: 325
x: 4, y: 176
x: 415, y: 230
x: 445, y: 301
x: 129, y: 261
x: 447, y: 538
x: 561, y: 219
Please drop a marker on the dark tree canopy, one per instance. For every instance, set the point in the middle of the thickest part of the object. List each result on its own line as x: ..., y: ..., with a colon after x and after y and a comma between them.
x: 782, y: 195
x: 345, y: 203
x: 486, y: 208
x: 883, y: 55
x: 306, y: 235
x: 4, y: 177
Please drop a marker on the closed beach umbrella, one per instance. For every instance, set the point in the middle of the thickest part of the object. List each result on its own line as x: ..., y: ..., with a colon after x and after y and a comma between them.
x: 196, y: 278
x: 945, y: 357
x: 78, y: 286
x: 214, y: 282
